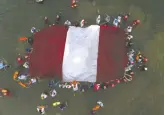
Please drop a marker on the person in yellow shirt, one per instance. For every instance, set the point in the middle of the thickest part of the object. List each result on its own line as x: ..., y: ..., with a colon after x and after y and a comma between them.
x: 55, y: 104
x: 15, y: 75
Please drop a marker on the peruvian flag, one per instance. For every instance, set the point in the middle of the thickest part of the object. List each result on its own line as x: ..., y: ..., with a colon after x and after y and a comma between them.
x: 94, y: 53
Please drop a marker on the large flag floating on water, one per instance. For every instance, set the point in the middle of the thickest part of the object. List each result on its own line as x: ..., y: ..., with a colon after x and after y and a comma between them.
x: 94, y: 53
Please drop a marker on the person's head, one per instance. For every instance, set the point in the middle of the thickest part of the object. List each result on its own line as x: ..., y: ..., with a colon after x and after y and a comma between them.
x: 145, y: 68
x: 112, y: 85
x: 46, y: 18
x: 40, y: 111
x: 117, y: 80
x: 132, y: 63
x: 132, y: 73
x: 145, y: 59
x: 19, y: 59
x: 57, y: 16
x: 105, y: 87
x: 126, y: 16
x: 130, y: 36
x: 83, y: 90
x: 129, y: 27
x: 138, y: 21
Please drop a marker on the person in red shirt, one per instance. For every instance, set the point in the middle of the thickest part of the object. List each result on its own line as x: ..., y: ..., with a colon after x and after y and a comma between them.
x: 112, y: 84
x: 135, y: 22
x: 74, y: 4
x: 96, y: 87
x: 125, y: 17
x: 117, y: 81
x: 20, y: 60
x: 145, y: 59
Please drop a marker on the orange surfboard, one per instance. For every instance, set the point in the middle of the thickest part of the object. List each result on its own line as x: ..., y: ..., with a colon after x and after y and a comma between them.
x: 23, y: 85
x: 97, y: 107
x: 23, y: 38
